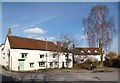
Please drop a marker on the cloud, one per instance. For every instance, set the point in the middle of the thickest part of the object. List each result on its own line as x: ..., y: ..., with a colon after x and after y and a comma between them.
x: 24, y: 18
x: 33, y: 32
x: 83, y: 29
x: 43, y: 20
x: 48, y: 38
x: 51, y: 38
x: 16, y: 25
x: 40, y: 38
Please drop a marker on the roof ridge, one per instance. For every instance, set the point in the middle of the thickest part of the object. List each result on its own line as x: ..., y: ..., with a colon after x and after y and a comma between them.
x: 30, y: 38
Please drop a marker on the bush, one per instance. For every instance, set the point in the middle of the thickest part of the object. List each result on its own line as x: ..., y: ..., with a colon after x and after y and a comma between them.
x: 116, y: 63
x: 88, y: 62
x: 112, y: 62
x: 111, y: 55
x: 107, y: 63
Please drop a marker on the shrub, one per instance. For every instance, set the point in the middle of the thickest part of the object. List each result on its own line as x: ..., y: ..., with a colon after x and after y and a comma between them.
x: 107, y: 63
x: 89, y: 61
x: 111, y: 55
x: 116, y: 63
x: 112, y: 60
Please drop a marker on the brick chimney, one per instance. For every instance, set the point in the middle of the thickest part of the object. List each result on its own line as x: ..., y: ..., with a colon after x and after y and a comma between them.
x: 9, y: 32
x: 59, y: 44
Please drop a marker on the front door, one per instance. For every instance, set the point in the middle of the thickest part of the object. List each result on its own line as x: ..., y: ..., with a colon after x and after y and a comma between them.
x: 21, y: 65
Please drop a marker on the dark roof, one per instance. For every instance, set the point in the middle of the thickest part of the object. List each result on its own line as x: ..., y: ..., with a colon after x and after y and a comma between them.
x: 85, y: 50
x: 27, y: 43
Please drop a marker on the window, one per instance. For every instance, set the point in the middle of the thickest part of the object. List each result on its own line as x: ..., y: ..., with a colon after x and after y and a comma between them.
x: 42, y: 56
x: 3, y: 55
x: 56, y: 63
x: 54, y: 55
x: 51, y: 64
x: 31, y: 64
x: 82, y: 52
x: 24, y: 55
x: 42, y: 64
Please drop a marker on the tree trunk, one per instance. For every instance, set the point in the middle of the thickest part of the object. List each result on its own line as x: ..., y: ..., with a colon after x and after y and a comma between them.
x: 101, y: 51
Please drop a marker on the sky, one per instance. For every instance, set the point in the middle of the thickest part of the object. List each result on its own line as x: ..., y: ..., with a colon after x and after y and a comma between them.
x: 47, y: 20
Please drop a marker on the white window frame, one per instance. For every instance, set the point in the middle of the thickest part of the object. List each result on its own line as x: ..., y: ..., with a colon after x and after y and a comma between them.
x: 42, y: 55
x: 24, y: 55
x: 32, y: 65
x: 41, y: 63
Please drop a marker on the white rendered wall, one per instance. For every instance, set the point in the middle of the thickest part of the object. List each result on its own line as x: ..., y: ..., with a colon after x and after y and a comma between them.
x: 1, y: 55
x: 6, y: 52
x: 33, y: 56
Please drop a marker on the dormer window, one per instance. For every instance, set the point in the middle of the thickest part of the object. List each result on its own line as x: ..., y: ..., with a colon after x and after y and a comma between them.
x: 95, y: 51
x: 82, y: 52
x: 24, y: 55
x: 88, y: 51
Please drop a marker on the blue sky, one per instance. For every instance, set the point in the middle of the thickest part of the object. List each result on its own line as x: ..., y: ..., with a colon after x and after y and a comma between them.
x: 42, y: 20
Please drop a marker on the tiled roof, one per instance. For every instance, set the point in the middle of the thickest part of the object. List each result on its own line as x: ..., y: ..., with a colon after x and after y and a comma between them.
x: 33, y: 44
x: 85, y: 51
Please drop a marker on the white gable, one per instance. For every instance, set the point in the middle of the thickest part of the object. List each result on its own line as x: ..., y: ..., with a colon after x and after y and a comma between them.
x: 88, y: 51
x: 95, y: 51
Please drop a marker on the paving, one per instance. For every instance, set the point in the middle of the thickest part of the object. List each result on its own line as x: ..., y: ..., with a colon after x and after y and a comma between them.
x: 62, y: 75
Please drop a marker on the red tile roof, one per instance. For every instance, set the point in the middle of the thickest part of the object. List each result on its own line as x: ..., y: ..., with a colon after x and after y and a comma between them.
x: 85, y: 50
x: 33, y: 44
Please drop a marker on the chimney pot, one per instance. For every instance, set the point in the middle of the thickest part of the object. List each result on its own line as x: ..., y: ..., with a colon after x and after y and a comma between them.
x: 9, y: 32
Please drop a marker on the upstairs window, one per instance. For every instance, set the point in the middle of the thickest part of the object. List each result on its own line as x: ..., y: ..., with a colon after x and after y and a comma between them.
x: 95, y: 52
x: 54, y: 55
x: 41, y: 56
x: 24, y: 55
x: 31, y: 64
x: 82, y: 52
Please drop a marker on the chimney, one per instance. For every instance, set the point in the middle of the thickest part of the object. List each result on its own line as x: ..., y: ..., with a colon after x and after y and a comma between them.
x: 9, y: 32
x: 59, y: 43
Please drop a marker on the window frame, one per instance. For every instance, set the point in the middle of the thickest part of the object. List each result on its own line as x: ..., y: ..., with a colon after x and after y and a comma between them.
x: 51, y: 64
x: 41, y: 63
x: 41, y: 55
x: 32, y: 65
x: 24, y: 55
x: 54, y: 55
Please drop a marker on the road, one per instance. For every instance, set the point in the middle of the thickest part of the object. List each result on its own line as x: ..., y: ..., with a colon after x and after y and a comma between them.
x: 61, y: 75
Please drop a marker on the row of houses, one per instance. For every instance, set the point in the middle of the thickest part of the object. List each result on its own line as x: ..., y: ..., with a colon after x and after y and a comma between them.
x: 24, y: 54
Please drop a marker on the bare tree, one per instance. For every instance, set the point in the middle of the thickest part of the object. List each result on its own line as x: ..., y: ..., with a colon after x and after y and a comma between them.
x: 68, y: 42
x: 99, y: 28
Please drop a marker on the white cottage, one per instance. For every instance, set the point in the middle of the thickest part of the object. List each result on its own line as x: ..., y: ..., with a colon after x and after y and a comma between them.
x: 82, y: 54
x: 24, y: 54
